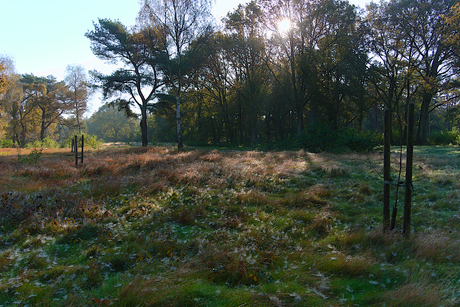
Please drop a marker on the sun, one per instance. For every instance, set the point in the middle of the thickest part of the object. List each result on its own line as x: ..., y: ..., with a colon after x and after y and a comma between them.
x: 284, y: 26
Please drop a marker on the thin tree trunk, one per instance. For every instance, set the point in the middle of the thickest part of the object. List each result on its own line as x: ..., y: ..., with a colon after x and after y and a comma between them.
x: 180, y: 143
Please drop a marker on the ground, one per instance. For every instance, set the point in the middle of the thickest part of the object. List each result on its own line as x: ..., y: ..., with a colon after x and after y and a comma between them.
x: 156, y: 227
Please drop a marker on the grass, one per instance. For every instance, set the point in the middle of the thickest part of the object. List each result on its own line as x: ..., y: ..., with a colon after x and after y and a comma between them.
x: 156, y: 227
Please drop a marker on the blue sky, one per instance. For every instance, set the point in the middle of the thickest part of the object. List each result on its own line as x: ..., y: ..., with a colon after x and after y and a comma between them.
x: 44, y: 36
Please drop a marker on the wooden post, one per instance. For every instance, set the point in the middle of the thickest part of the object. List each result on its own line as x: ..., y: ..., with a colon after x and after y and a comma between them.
x: 76, y: 151
x: 386, y: 172
x: 409, y: 162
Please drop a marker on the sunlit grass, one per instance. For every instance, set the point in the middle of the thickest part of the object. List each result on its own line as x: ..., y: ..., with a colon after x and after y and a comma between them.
x: 155, y: 227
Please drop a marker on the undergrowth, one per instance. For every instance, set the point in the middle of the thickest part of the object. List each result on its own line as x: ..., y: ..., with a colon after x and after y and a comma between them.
x: 156, y: 227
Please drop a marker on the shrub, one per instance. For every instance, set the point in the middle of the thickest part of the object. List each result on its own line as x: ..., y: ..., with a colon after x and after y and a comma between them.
x: 90, y: 141
x: 444, y: 137
x: 6, y: 143
x: 322, y: 137
x: 360, y: 141
x: 31, y: 159
x: 46, y: 143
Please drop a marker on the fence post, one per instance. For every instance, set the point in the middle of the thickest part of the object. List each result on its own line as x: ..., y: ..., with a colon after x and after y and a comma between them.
x: 76, y: 151
x: 386, y: 172
x: 409, y: 162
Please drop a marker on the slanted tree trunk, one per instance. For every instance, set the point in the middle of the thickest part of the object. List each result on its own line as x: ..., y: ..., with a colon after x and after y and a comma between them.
x: 43, y: 126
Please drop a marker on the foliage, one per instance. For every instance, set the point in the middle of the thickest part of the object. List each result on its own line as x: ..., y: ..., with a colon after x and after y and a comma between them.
x: 91, y: 141
x: 182, y: 28
x: 136, y: 84
x: 77, y: 81
x: 360, y: 141
x: 444, y: 137
x: 322, y: 137
x: 31, y: 159
x: 6, y: 143
x: 250, y: 83
x: 112, y: 125
x: 46, y: 143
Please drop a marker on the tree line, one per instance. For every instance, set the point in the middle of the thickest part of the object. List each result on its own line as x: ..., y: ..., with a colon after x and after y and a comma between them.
x: 34, y: 108
x: 248, y: 80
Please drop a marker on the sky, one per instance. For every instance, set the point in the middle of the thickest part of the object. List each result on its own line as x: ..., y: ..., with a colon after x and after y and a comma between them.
x: 44, y: 37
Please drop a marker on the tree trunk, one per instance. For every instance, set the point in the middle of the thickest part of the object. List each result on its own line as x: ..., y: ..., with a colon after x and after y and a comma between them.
x: 79, y: 124
x: 424, y: 121
x: 267, y: 124
x: 253, y: 130
x: 43, y: 127
x: 145, y: 140
x: 180, y: 143
x: 299, y: 122
x: 241, y: 127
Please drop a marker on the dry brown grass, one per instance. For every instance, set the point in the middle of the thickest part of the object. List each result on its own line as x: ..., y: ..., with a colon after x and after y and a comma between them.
x: 437, y: 247
x: 416, y: 294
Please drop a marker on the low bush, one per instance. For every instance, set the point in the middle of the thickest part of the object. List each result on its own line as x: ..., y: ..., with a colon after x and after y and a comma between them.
x: 360, y: 141
x: 444, y: 137
x: 46, y: 143
x: 31, y: 159
x: 90, y: 141
x: 6, y: 143
x: 322, y: 137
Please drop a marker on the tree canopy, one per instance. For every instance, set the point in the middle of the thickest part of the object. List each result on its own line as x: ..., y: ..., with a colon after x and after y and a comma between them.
x: 249, y: 80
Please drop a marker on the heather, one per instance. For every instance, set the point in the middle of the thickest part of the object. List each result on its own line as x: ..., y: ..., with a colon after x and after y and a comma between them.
x: 156, y: 227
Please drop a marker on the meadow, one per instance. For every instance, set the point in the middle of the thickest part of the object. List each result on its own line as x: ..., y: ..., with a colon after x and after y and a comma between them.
x: 156, y: 227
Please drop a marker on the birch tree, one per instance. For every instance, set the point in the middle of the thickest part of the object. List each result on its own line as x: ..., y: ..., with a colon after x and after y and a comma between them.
x: 77, y: 83
x: 180, y: 23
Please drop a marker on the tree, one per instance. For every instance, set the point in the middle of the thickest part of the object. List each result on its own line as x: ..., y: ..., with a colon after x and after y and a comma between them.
x: 51, y: 99
x: 180, y: 23
x: 6, y: 72
x: 7, y: 81
x: 418, y: 32
x: 290, y: 46
x: 111, y: 125
x: 77, y: 82
x: 424, y: 23
x: 246, y: 51
x: 453, y: 32
x: 339, y: 65
x: 392, y: 74
x: 215, y: 80
x: 140, y: 78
